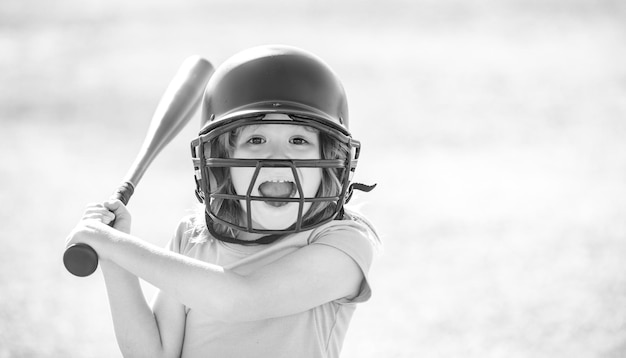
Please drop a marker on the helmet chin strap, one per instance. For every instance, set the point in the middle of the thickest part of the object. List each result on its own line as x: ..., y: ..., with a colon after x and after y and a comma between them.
x: 358, y: 186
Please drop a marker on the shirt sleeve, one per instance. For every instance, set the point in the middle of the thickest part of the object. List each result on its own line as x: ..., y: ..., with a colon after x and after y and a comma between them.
x: 179, y: 243
x: 356, y: 240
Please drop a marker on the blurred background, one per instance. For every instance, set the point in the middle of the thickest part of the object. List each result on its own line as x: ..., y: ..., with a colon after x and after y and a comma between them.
x: 495, y: 130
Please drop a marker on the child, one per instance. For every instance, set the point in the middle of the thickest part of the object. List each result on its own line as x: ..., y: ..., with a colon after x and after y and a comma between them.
x: 274, y: 264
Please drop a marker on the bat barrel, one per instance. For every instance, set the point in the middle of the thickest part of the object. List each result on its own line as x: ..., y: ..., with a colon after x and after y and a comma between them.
x: 176, y: 107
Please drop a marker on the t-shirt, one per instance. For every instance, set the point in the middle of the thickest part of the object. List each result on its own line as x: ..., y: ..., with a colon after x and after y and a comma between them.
x: 315, y: 333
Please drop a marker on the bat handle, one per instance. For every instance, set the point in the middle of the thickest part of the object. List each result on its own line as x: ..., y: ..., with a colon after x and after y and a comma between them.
x: 123, y: 193
x: 80, y: 259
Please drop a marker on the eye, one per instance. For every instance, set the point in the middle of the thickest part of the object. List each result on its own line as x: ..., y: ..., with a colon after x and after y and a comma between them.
x: 298, y: 141
x: 256, y: 140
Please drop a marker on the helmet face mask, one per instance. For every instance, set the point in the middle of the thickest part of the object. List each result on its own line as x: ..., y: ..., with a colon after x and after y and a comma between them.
x: 236, y: 211
x: 251, y: 88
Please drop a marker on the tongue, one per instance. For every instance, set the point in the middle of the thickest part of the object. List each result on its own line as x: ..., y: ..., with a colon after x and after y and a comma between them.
x: 276, y: 190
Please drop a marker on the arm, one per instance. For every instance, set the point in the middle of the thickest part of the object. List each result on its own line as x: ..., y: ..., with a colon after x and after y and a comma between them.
x: 142, y: 331
x: 139, y: 331
x: 307, y: 278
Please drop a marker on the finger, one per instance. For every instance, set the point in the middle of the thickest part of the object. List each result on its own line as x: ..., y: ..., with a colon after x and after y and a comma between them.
x: 95, y: 210
x: 117, y: 208
x: 98, y: 212
x: 122, y: 216
x: 113, y: 204
x: 94, y: 205
x: 102, y: 217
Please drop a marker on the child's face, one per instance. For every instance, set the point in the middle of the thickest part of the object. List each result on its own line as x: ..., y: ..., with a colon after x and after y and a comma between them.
x: 276, y: 141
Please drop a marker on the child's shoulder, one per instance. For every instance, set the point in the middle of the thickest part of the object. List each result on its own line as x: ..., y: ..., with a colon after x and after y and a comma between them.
x: 190, y: 223
x: 191, y: 230
x: 354, y: 235
x: 192, y: 220
x: 353, y: 227
x: 360, y: 219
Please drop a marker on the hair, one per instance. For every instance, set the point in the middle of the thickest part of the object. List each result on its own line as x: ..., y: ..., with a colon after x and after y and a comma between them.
x: 231, y: 210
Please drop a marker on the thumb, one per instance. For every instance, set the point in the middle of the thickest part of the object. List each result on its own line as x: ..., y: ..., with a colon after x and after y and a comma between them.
x: 122, y: 215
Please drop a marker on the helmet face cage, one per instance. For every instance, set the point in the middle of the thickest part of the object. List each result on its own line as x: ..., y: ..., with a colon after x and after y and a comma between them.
x: 234, y: 211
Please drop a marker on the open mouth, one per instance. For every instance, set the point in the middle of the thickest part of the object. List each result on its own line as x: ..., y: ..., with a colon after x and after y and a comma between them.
x: 277, y: 189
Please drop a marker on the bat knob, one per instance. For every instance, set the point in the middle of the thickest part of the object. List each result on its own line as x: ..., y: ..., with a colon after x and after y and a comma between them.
x: 80, y: 260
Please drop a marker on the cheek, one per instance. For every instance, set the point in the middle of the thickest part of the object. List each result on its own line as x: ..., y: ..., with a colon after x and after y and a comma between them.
x: 311, y: 179
x: 241, y: 178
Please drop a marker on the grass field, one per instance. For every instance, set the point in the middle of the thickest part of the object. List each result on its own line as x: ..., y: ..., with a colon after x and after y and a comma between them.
x: 495, y: 129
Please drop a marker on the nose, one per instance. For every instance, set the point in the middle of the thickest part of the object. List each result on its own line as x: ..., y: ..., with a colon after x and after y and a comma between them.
x: 278, y: 150
x: 284, y: 171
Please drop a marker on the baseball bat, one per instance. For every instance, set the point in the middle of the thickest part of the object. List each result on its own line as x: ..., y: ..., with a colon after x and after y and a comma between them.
x: 175, y: 109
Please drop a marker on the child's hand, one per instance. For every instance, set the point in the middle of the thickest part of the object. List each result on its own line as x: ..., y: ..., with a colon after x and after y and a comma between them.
x: 107, y: 212
x: 120, y: 214
x: 93, y: 228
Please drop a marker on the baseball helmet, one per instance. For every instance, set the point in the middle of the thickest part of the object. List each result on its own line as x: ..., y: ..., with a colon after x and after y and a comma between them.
x: 248, y: 89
